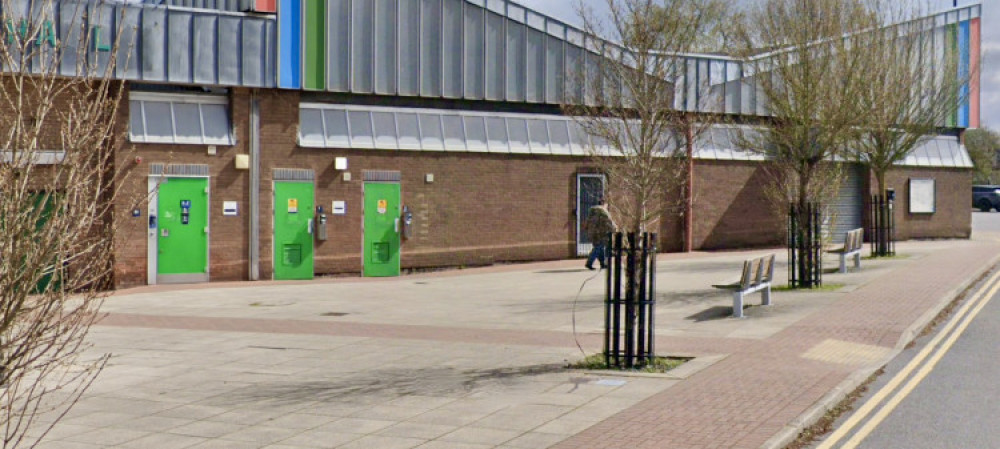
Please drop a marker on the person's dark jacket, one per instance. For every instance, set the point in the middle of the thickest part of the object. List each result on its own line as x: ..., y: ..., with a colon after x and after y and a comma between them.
x: 599, y: 224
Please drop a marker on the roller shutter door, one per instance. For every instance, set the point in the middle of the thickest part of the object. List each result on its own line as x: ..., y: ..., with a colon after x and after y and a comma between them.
x: 846, y: 211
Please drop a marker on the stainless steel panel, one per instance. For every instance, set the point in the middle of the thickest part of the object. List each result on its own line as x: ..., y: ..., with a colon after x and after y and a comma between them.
x: 452, y: 47
x: 536, y: 66
x: 128, y: 44
x: 179, y: 47
x: 229, y: 61
x: 386, y: 52
x: 69, y: 36
x: 555, y: 70
x: 517, y: 42
x: 474, y: 53
x: 430, y: 48
x: 338, y: 45
x: 254, y: 54
x: 204, y: 48
x: 154, y: 54
x: 362, y: 46
x: 409, y: 47
x: 495, y: 54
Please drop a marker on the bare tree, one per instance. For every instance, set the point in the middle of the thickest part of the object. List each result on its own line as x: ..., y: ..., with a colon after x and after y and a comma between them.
x: 805, y: 71
x: 59, y: 185
x: 908, y: 92
x: 633, y: 107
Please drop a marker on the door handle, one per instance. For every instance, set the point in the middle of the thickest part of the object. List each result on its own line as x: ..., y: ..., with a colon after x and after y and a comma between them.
x: 310, y: 222
x: 395, y: 225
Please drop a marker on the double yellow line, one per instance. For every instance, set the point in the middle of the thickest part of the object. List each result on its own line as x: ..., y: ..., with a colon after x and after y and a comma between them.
x: 935, y: 350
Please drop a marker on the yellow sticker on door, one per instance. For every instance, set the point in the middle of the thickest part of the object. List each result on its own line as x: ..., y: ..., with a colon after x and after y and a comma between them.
x: 383, y: 206
x: 293, y: 205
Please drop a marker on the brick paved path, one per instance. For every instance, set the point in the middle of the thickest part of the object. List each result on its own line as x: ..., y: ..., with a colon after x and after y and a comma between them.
x: 744, y: 400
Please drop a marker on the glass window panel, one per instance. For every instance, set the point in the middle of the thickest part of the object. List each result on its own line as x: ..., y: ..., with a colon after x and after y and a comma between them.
x: 310, y: 127
x: 361, y: 129
x: 159, y: 124
x: 409, y: 131
x: 539, y: 136
x: 215, y: 117
x: 385, y: 129
x: 559, y: 136
x: 430, y: 132
x: 454, y: 133
x: 136, y: 129
x: 581, y: 141
x: 475, y: 133
x: 518, y: 130
x: 336, y: 128
x: 496, y: 130
x: 187, y: 120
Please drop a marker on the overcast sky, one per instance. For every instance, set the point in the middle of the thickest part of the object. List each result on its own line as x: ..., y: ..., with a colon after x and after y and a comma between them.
x: 565, y: 10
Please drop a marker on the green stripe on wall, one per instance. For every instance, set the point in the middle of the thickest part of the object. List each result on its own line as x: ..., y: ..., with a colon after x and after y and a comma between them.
x: 314, y: 50
x: 951, y: 49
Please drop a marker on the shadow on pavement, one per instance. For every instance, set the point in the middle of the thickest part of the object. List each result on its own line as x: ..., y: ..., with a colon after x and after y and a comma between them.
x: 712, y: 313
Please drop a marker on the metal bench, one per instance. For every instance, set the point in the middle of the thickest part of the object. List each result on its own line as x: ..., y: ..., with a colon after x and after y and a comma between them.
x: 757, y: 276
x: 853, y: 243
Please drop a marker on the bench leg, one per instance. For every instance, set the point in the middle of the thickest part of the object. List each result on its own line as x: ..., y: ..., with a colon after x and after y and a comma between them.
x: 738, y: 305
x: 857, y: 260
x: 765, y: 296
x: 843, y: 263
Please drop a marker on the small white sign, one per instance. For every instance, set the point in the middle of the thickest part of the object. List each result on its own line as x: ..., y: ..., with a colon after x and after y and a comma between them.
x: 922, y: 196
x: 230, y: 208
x: 340, y: 208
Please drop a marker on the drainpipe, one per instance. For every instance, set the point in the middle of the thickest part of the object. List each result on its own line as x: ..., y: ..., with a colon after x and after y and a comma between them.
x: 254, y: 206
x: 689, y: 196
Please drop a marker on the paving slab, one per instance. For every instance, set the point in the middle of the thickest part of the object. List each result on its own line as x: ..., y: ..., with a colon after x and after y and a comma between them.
x: 476, y: 358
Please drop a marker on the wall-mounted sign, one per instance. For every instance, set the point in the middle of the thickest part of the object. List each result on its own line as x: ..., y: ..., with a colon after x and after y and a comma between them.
x: 293, y: 205
x: 230, y: 208
x: 340, y: 208
x: 383, y: 206
x: 922, y: 196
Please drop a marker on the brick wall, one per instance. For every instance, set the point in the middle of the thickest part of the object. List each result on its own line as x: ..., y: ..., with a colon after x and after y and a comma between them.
x: 480, y: 209
x: 952, y: 218
x: 228, y: 238
x: 730, y: 208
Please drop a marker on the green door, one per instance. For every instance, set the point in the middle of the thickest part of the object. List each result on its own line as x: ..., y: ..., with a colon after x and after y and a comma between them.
x: 182, y: 236
x: 382, y: 209
x: 47, y: 203
x: 293, y: 240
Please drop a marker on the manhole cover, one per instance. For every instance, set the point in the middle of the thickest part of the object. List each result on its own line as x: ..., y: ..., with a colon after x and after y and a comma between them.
x: 333, y: 314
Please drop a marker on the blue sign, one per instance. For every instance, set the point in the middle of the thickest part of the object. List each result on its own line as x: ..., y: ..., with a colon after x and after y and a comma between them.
x: 185, y: 204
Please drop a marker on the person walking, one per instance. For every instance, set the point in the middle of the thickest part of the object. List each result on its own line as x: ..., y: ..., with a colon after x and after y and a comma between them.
x: 598, y: 225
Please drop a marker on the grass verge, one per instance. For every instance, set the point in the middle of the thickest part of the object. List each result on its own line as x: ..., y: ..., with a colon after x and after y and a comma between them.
x: 658, y: 366
x: 830, y: 287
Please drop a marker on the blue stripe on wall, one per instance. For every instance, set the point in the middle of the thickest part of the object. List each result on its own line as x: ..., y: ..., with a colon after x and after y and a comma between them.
x: 289, y: 44
x: 964, y: 39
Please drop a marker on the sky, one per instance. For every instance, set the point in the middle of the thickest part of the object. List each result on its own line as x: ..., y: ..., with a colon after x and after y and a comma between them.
x: 565, y: 10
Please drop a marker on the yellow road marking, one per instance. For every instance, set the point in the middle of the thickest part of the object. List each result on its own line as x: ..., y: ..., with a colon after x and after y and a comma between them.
x: 919, y: 377
x: 877, y: 399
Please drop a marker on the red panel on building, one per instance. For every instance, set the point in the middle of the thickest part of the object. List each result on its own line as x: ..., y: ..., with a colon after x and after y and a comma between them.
x: 264, y: 6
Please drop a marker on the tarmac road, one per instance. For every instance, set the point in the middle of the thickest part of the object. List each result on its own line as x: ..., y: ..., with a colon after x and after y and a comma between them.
x: 942, y: 392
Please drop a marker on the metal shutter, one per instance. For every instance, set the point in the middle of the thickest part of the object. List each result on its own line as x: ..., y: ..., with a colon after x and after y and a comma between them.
x: 846, y: 211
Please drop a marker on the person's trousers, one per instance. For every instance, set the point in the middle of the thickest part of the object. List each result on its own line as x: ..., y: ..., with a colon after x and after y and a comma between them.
x: 597, y: 254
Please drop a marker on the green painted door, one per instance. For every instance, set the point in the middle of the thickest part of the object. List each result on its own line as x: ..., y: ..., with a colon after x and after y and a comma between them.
x: 47, y: 203
x: 182, y: 237
x: 293, y: 240
x: 382, y: 209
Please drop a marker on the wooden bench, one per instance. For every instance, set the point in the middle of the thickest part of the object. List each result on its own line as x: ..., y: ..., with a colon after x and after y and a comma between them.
x: 853, y: 243
x: 757, y: 276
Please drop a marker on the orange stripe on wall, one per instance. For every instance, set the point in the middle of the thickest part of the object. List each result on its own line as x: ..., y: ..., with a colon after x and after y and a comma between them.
x: 975, y: 72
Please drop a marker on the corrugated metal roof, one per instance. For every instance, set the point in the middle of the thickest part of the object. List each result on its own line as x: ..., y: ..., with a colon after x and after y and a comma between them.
x: 942, y: 151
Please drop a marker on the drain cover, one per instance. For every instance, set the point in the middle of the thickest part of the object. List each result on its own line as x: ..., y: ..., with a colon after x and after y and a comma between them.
x: 333, y: 314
